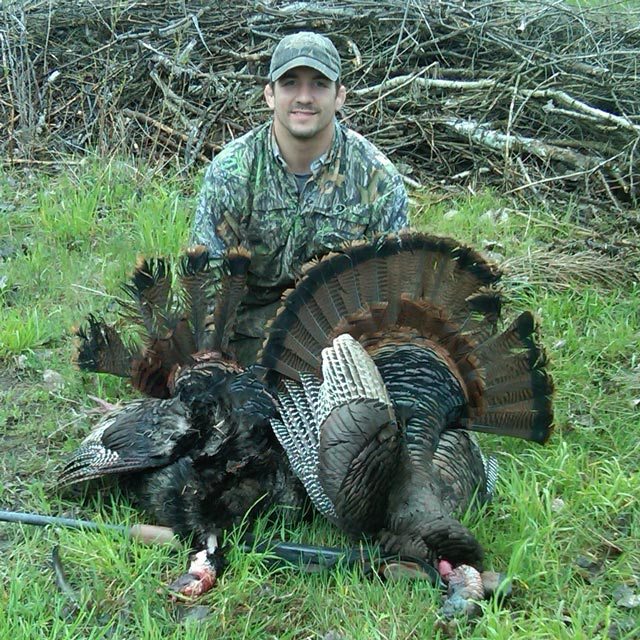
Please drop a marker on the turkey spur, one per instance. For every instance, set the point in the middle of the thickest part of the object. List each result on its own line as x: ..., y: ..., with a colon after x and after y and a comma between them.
x: 198, y: 455
x: 387, y: 355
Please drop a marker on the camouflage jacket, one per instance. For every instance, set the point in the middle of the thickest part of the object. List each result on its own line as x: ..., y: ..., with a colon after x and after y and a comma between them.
x: 249, y: 197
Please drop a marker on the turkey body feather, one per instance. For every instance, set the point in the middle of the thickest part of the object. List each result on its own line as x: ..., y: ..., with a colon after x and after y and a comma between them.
x: 387, y: 355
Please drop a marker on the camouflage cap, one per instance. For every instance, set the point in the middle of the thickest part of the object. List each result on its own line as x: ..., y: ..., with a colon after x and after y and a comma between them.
x: 305, y: 49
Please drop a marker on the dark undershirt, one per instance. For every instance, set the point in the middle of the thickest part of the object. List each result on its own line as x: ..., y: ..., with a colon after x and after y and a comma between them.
x: 301, y: 180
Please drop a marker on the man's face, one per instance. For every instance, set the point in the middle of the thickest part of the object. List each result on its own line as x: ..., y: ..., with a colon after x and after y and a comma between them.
x: 304, y: 102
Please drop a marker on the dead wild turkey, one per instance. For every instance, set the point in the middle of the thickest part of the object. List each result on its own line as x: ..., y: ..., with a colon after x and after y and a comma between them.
x: 387, y: 354
x: 198, y: 456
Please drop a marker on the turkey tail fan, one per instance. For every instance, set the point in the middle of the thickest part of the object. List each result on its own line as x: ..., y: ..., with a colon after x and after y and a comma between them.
x: 337, y: 292
x: 101, y: 349
x: 232, y: 292
x: 173, y: 317
x: 429, y: 291
x: 518, y: 389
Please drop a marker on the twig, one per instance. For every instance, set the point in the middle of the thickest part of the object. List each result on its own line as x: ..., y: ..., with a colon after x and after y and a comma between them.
x: 141, y: 117
x: 428, y: 83
x: 42, y: 163
x: 619, y: 121
x: 484, y: 135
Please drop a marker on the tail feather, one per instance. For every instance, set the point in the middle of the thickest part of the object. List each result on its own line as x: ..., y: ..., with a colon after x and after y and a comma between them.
x: 526, y: 423
x: 371, y: 280
x: 328, y: 299
x: 312, y: 325
x: 150, y: 294
x: 392, y: 277
x: 519, y: 390
x: 343, y: 287
x: 197, y: 275
x: 515, y: 389
x: 451, y: 286
x: 101, y: 349
x: 510, y: 367
x: 301, y: 358
x: 302, y: 298
x: 232, y: 292
x: 181, y: 342
x: 411, y: 269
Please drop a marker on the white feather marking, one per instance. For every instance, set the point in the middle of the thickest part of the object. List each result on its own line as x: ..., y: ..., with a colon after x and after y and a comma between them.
x: 349, y: 374
x: 297, y: 432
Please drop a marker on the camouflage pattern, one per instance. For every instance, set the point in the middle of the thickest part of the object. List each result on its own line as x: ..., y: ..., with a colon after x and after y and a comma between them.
x: 248, y: 197
x: 305, y: 49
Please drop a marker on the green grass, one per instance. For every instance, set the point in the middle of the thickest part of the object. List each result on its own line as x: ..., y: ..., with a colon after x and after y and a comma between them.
x: 69, y: 240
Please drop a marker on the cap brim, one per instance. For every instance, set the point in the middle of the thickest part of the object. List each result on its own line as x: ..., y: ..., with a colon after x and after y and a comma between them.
x: 304, y: 61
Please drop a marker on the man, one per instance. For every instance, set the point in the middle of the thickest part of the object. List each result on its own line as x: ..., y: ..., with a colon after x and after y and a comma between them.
x: 297, y: 186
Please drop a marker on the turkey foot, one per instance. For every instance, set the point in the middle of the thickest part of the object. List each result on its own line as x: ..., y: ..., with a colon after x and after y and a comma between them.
x: 202, y: 575
x: 103, y: 406
x: 466, y: 587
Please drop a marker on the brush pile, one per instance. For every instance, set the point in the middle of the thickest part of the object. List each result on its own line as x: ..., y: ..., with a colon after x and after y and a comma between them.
x: 538, y: 99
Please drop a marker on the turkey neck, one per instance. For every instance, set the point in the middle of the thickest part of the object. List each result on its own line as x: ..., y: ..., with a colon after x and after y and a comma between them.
x: 428, y: 398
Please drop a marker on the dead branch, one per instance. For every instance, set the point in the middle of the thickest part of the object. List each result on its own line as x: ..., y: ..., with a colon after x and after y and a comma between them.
x: 532, y: 98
